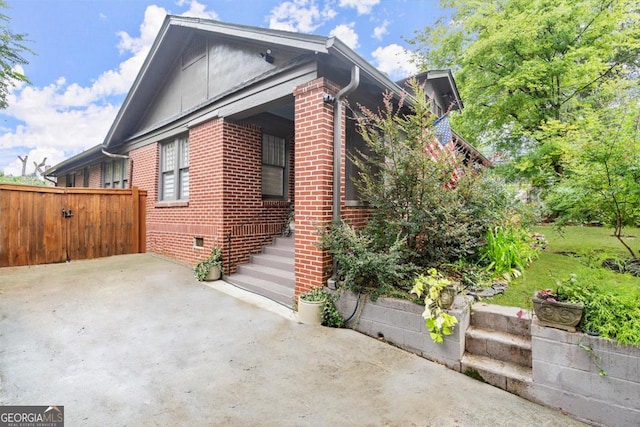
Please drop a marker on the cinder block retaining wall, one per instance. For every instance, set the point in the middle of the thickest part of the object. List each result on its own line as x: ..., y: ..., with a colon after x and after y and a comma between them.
x: 400, y: 323
x: 565, y: 376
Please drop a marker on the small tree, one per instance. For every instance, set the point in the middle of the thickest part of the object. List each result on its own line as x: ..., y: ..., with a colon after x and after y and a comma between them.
x: 418, y: 191
x: 602, y: 180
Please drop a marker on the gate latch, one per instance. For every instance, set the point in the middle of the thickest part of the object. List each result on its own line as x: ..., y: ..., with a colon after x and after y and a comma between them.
x: 66, y: 213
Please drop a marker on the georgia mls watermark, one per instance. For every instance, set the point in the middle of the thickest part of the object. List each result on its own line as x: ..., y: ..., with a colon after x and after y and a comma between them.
x: 31, y: 416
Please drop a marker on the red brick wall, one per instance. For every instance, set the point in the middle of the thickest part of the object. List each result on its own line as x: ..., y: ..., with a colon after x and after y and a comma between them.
x: 225, y: 197
x: 314, y: 177
x: 356, y: 215
x: 95, y: 176
x: 249, y: 220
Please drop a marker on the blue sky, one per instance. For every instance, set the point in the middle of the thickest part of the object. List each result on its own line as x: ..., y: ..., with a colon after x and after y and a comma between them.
x: 88, y: 53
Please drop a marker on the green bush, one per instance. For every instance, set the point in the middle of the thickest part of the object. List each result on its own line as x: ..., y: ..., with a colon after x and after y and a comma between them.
x: 361, y: 268
x: 609, y: 315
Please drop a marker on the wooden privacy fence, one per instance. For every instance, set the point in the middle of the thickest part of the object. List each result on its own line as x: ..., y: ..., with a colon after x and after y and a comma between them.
x: 42, y: 225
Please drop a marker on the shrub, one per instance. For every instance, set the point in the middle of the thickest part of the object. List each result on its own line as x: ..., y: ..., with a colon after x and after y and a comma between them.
x: 421, y: 194
x: 610, y: 316
x: 360, y: 267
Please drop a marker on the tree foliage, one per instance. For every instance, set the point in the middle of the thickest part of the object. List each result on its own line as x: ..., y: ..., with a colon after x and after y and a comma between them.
x: 522, y: 63
x: 411, y: 190
x: 12, y: 51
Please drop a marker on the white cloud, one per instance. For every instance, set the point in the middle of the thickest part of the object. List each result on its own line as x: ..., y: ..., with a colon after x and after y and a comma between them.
x: 299, y: 15
x: 362, y: 6
x: 380, y: 30
x: 395, y: 61
x: 61, y: 119
x: 347, y: 34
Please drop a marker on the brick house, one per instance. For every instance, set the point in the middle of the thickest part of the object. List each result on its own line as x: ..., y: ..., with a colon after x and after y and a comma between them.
x: 230, y: 128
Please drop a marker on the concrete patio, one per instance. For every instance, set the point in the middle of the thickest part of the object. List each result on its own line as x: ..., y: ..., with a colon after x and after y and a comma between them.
x: 136, y: 340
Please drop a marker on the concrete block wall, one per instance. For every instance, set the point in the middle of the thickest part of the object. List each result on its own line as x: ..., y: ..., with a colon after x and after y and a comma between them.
x: 401, y: 323
x: 565, y: 376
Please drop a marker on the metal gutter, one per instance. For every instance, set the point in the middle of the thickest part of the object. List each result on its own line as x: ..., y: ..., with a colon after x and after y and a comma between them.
x: 337, y: 138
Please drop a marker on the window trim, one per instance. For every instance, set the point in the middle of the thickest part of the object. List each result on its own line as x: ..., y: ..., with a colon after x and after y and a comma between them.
x: 123, y: 179
x: 179, y: 167
x: 284, y: 167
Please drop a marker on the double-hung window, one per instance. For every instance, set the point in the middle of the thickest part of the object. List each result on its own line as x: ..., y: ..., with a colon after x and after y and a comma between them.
x: 174, y: 169
x: 273, y: 166
x: 115, y: 173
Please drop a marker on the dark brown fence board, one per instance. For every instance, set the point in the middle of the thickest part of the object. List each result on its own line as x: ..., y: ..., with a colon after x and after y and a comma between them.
x: 33, y: 229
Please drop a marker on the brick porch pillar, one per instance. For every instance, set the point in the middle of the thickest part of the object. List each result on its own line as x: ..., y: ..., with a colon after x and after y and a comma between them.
x: 313, y: 180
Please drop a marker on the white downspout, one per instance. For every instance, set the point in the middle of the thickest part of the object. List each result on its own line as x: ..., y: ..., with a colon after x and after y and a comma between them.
x: 337, y: 139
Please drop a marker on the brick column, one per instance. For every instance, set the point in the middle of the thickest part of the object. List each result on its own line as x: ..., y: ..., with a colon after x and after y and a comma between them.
x: 313, y: 180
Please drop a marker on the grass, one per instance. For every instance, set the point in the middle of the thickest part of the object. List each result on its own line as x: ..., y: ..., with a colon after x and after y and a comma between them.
x: 579, y: 251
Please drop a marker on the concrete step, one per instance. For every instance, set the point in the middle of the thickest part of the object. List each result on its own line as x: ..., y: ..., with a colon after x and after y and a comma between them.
x: 499, y: 345
x: 274, y: 261
x: 284, y: 242
x: 275, y: 275
x: 283, y: 251
x: 279, y: 293
x: 503, y: 319
x: 507, y: 376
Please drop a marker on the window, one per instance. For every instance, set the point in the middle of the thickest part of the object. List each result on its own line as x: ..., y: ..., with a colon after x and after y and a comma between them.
x: 115, y: 173
x: 174, y: 169
x: 70, y: 180
x: 273, y: 166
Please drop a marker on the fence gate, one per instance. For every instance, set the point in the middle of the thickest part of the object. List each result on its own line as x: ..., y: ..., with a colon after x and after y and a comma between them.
x: 42, y: 225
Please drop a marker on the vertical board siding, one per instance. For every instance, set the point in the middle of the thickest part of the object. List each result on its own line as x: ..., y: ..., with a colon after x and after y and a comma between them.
x: 34, y: 231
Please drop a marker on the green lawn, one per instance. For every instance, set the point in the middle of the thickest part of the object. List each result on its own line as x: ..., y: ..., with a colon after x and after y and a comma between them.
x: 579, y: 250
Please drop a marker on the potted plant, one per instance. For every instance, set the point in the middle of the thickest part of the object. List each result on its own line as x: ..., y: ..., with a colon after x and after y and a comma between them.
x: 211, y: 268
x: 311, y: 306
x: 555, y: 310
x: 439, y: 293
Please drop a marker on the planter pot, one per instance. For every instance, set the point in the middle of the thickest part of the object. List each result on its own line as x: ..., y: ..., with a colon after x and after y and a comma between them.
x: 310, y: 313
x: 214, y: 274
x: 447, y: 295
x: 561, y: 315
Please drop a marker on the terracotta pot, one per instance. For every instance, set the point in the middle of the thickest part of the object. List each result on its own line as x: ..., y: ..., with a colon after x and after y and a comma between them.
x: 561, y: 315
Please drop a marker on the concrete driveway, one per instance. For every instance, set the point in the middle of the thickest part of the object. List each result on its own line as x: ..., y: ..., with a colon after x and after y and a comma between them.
x: 135, y: 340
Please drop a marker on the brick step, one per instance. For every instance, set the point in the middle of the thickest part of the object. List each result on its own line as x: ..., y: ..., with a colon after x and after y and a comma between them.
x: 274, y: 291
x: 274, y: 261
x: 275, y: 275
x: 500, y: 318
x: 507, y: 376
x: 515, y: 349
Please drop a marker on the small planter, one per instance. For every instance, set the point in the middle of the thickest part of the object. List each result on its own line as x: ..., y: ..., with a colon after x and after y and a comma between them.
x: 310, y: 312
x: 560, y: 315
x: 446, y: 297
x: 214, y: 273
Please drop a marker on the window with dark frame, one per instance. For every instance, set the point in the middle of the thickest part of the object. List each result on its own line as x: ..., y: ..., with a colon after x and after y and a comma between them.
x: 115, y: 173
x: 174, y: 169
x: 70, y: 180
x: 273, y: 166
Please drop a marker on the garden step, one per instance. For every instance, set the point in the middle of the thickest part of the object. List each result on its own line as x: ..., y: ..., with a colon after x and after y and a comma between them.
x: 274, y: 291
x: 274, y: 261
x: 507, y: 376
x: 499, y: 345
x: 500, y: 318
